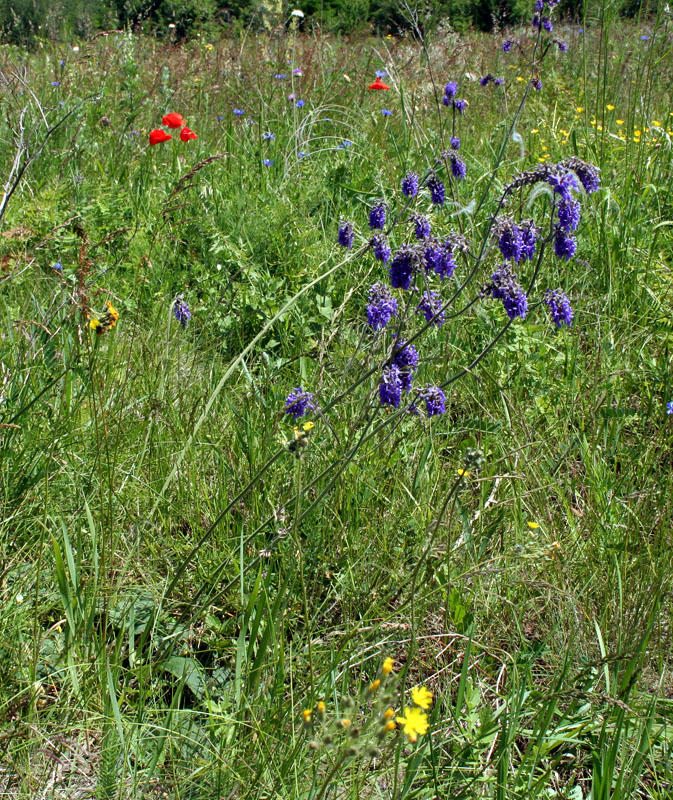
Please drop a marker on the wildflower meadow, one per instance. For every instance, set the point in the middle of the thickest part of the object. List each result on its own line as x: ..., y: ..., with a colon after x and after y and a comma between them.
x: 336, y: 411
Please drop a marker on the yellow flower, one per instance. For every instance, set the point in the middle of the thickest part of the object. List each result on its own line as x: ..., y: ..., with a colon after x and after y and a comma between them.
x: 535, y: 130
x: 374, y: 685
x: 579, y: 109
x: 414, y: 723
x: 388, y: 713
x: 610, y: 107
x: 307, y: 713
x: 387, y: 667
x: 619, y: 121
x: 308, y: 426
x: 345, y: 723
x: 533, y: 525
x: 321, y: 707
x: 389, y: 726
x: 422, y: 697
x: 94, y: 323
x: 637, y: 133
x: 564, y: 141
x: 599, y: 128
x: 520, y: 79
x: 463, y: 473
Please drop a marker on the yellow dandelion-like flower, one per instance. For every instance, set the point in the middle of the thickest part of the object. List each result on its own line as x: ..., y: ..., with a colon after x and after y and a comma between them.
x: 308, y: 426
x: 94, y: 323
x: 656, y: 123
x: 535, y: 130
x: 533, y: 525
x: 389, y: 726
x: 388, y: 713
x: 579, y: 109
x: 520, y: 79
x: 414, y: 723
x: 321, y: 708
x: 374, y: 685
x: 307, y: 713
x: 345, y: 723
x: 599, y: 127
x: 422, y: 697
x: 610, y: 107
x: 463, y: 473
x: 564, y: 141
x: 387, y: 667
x: 619, y: 121
x: 637, y: 133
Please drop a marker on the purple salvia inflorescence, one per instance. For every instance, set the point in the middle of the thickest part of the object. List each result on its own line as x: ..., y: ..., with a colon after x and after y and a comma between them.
x: 562, y: 182
x: 377, y: 216
x: 458, y: 168
x: 499, y: 81
x: 455, y: 143
x: 410, y: 184
x: 181, y: 311
x: 559, y: 307
x: 435, y: 400
x: 529, y: 232
x: 390, y: 387
x: 486, y: 79
x: 449, y: 92
x: 539, y: 5
x: 382, y: 306
x: 406, y: 359
x: 381, y: 248
x: 402, y: 268
x: 507, y: 46
x: 536, y: 84
x: 564, y: 244
x: 298, y: 402
x: 569, y: 213
x: 562, y: 46
x: 346, y: 234
x: 536, y: 21
x: 460, y: 106
x: 505, y: 286
x: 510, y: 239
x: 547, y: 24
x: 431, y: 306
x: 421, y: 226
x: 439, y: 259
x: 437, y: 190
x: 587, y: 173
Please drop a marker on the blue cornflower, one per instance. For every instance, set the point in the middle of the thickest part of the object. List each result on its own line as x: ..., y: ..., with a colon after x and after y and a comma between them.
x: 386, y: 112
x: 644, y: 38
x: 390, y: 387
x: 280, y: 76
x: 505, y: 286
x: 57, y: 266
x: 564, y: 244
x: 669, y: 407
x: 382, y: 306
x: 402, y: 268
x: 380, y: 73
x: 56, y: 83
x: 406, y: 359
x: 303, y: 154
x: 581, y: 30
x: 421, y: 226
x: 437, y: 191
x: 455, y: 143
x: 61, y: 62
x: 431, y: 306
x: 219, y: 119
x: 239, y: 112
x: 268, y: 136
x: 381, y: 248
x: 458, y: 168
x: 267, y: 162
x: 377, y: 216
x: 559, y: 306
x: 300, y: 103
x: 435, y: 400
x: 569, y: 213
x: 410, y: 184
x: 460, y: 106
x: 345, y: 144
x: 181, y: 311
x: 298, y: 402
x: 346, y: 234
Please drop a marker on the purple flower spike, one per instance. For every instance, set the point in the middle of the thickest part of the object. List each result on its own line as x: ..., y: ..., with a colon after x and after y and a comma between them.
x: 298, y: 402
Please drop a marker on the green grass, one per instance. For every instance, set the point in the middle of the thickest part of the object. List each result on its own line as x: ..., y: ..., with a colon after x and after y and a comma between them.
x: 175, y: 585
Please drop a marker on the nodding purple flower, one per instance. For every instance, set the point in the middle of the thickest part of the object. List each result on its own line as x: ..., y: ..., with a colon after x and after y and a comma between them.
x: 439, y: 259
x: 569, y: 213
x: 460, y: 106
x: 268, y: 136
x: 298, y: 402
x: 437, y: 191
x: 529, y: 232
x: 499, y: 81
x: 390, y: 387
x: 406, y: 360
x: 510, y: 241
x: 564, y: 244
x: 536, y: 21
x: 435, y: 400
x: 505, y: 286
x: 402, y: 268
x: 431, y: 306
x: 381, y: 307
x: 450, y: 91
x: 421, y: 226
x: 297, y: 71
x: 346, y: 234
x: 562, y: 46
x: 507, y: 46
x: 455, y: 143
x: 181, y: 311
x: 559, y: 307
x: 377, y: 216
x: 587, y: 173
x: 381, y: 248
x: 536, y: 84
x: 486, y: 79
x: 410, y: 184
x: 547, y: 24
x: 458, y: 168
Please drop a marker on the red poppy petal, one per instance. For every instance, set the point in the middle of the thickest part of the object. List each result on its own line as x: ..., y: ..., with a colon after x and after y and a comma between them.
x: 379, y: 84
x: 173, y: 120
x: 157, y: 136
x: 186, y: 134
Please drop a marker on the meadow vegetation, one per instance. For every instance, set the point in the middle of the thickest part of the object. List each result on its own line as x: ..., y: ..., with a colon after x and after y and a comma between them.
x: 203, y: 597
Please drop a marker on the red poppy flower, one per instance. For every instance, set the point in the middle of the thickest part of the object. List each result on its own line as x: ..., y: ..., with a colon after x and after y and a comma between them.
x: 157, y: 136
x: 186, y: 134
x: 379, y: 84
x: 173, y: 120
